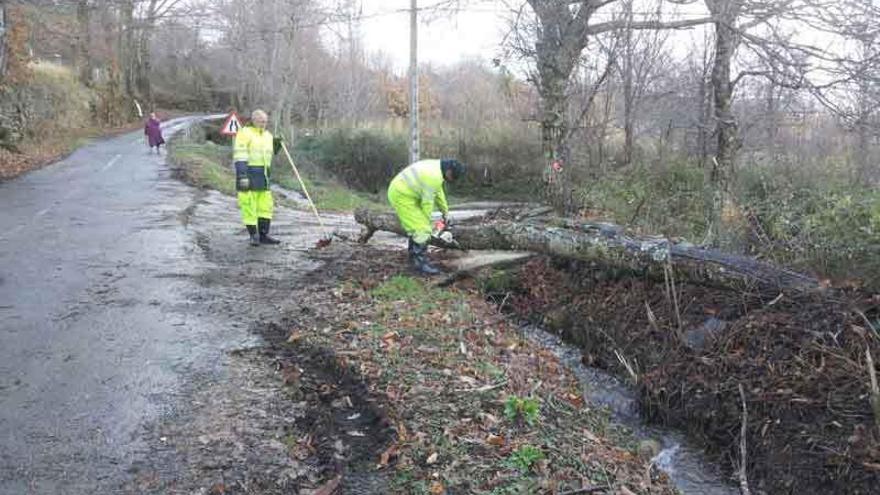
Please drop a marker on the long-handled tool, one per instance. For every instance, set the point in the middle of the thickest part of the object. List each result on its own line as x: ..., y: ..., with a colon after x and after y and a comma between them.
x: 328, y: 238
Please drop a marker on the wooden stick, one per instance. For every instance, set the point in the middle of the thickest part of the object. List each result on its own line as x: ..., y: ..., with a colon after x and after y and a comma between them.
x: 875, y: 389
x: 743, y: 480
x: 305, y: 191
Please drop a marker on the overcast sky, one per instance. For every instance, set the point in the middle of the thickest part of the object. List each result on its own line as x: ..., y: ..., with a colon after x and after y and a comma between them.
x: 474, y: 32
x: 443, y: 40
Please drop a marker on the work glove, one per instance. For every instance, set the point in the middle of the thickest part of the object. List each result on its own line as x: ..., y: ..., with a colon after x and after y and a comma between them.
x: 242, y: 181
x: 276, y: 144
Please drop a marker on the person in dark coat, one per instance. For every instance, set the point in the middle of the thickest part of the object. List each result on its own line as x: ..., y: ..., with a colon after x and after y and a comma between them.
x: 153, y: 130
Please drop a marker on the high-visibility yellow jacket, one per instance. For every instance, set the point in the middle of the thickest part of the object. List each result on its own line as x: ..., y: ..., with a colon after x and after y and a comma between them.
x: 422, y: 182
x: 254, y: 146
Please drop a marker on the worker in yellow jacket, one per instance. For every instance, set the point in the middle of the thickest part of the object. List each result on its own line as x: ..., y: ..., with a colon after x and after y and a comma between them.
x: 415, y: 193
x: 252, y: 153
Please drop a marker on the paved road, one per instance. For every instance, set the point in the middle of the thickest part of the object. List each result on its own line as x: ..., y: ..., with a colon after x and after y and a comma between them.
x: 99, y: 328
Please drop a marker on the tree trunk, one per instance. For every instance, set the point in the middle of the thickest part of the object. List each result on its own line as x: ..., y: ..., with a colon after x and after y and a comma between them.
x: 628, y: 96
x: 561, y: 39
x: 609, y: 246
x: 727, y: 135
x: 3, y: 29
x: 83, y: 42
x: 144, y: 67
x: 126, y: 47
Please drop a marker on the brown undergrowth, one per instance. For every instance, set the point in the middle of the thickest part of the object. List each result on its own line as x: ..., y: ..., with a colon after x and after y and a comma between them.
x: 800, y: 360
x: 475, y: 408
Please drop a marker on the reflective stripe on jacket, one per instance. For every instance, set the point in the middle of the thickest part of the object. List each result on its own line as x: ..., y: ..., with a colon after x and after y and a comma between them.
x: 254, y: 146
x: 423, y: 182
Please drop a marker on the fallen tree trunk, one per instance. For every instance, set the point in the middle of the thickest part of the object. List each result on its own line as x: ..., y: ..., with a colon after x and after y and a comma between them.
x: 608, y: 245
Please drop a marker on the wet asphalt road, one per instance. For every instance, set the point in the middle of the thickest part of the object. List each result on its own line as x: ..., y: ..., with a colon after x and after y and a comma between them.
x: 97, y: 329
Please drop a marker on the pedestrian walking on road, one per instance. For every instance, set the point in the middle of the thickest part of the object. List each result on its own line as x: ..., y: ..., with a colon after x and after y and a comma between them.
x: 414, y: 193
x: 153, y: 131
x: 252, y: 153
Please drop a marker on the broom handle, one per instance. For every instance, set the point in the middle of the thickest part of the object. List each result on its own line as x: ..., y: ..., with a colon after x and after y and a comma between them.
x: 303, y: 185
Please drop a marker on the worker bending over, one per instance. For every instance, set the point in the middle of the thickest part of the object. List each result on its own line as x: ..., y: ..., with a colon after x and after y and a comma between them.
x: 252, y: 154
x: 414, y: 193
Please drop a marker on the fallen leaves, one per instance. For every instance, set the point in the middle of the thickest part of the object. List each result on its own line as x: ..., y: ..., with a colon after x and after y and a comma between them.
x: 387, y: 456
x: 495, y: 440
x: 442, y: 374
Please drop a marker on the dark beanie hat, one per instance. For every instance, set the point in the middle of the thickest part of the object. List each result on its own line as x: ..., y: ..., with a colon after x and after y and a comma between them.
x: 456, y: 166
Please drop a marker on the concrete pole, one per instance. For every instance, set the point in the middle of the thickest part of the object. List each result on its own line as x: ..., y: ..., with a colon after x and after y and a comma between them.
x: 414, y: 84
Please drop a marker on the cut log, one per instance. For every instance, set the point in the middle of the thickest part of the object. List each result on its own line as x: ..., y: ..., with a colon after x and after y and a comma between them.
x: 608, y: 245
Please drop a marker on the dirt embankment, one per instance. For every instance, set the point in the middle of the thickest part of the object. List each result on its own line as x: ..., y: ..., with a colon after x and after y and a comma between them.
x: 473, y: 407
x: 801, y: 364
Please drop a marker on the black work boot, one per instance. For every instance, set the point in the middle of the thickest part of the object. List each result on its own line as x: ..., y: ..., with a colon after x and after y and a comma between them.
x: 420, y: 260
x: 252, y: 232
x: 264, y: 232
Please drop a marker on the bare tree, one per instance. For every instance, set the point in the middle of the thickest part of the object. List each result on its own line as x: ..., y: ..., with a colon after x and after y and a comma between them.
x: 2, y: 38
x: 643, y: 53
x: 552, y: 38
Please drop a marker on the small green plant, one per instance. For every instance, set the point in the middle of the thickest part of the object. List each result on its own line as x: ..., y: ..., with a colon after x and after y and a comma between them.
x: 525, y: 457
x: 526, y: 408
x: 399, y: 287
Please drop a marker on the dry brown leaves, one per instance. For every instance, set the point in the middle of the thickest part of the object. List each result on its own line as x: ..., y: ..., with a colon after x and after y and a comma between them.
x: 444, y: 365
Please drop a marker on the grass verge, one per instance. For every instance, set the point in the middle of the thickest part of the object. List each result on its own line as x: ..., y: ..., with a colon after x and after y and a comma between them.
x: 205, y: 164
x: 476, y: 408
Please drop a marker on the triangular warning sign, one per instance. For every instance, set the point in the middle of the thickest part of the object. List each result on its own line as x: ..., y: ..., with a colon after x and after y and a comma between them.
x: 231, y: 125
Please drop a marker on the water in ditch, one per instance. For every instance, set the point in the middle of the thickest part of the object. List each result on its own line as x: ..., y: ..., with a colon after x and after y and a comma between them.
x: 682, y: 462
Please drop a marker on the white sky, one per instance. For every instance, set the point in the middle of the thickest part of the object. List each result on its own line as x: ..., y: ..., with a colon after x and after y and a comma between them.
x: 478, y: 29
x: 443, y: 40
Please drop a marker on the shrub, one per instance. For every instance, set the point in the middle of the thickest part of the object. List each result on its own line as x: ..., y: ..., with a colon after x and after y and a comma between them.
x: 526, y: 409
x: 364, y: 159
x: 503, y: 158
x: 525, y: 457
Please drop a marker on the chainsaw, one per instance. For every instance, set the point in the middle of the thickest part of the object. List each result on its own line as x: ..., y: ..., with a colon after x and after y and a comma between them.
x: 443, y: 236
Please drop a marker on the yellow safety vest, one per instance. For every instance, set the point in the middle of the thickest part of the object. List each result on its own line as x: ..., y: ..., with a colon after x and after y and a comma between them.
x: 423, y: 182
x: 254, y: 146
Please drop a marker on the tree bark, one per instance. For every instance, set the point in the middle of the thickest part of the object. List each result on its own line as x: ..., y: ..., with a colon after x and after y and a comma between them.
x: 561, y: 39
x: 628, y: 96
x: 3, y: 29
x: 83, y: 42
x: 720, y: 169
x: 609, y: 246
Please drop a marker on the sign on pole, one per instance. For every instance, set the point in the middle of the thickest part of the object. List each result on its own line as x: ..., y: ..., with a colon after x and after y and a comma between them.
x: 231, y: 125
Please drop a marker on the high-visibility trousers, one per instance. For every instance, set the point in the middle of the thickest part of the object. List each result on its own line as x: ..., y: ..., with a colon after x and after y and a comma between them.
x: 415, y: 222
x: 254, y: 205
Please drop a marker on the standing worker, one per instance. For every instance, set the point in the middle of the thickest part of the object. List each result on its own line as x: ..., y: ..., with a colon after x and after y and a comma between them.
x: 414, y: 193
x: 252, y: 154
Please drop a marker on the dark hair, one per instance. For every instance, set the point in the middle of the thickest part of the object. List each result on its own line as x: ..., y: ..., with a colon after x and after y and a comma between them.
x: 455, y: 166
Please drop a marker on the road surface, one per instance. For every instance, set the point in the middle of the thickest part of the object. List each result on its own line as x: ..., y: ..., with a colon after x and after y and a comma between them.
x: 122, y: 293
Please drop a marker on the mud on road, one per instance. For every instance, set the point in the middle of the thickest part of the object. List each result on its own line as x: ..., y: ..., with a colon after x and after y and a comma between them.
x: 271, y: 417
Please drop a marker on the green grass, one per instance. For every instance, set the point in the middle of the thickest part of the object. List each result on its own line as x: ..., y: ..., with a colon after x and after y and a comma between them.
x: 423, y: 297
x: 525, y: 457
x: 328, y: 195
x: 400, y: 288
x: 206, y: 164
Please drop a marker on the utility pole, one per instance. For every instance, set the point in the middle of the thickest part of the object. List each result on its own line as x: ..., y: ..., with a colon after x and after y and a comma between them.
x: 414, y: 83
